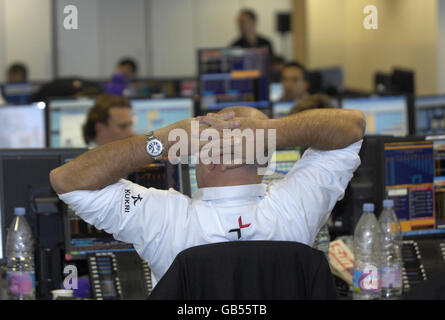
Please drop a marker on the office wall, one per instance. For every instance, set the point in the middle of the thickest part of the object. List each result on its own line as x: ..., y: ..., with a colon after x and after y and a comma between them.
x: 406, y: 37
x: 163, y: 36
x: 107, y: 31
x: 2, y: 40
x: 172, y: 37
x: 326, y: 33
x: 25, y: 35
x: 441, y: 46
x: 157, y: 32
x: 78, y: 50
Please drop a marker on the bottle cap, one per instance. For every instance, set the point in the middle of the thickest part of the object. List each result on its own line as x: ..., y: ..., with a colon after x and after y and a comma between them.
x: 388, y: 203
x: 368, y: 207
x: 19, y: 211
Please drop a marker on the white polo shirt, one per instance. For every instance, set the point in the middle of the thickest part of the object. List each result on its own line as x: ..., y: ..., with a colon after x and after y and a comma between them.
x: 162, y: 223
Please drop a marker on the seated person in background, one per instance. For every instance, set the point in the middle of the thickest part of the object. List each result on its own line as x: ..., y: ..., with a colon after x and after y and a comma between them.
x: 231, y: 204
x: 16, y: 89
x: 295, y: 83
x: 315, y: 101
x: 277, y: 64
x: 17, y: 73
x: 126, y: 70
x: 110, y: 119
x: 249, y: 38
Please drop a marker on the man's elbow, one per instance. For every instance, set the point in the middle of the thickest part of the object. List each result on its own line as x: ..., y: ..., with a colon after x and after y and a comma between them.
x: 58, y: 182
x: 359, y: 124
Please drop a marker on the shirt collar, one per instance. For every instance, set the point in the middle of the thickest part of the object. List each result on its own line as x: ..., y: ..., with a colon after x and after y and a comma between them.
x: 218, y: 193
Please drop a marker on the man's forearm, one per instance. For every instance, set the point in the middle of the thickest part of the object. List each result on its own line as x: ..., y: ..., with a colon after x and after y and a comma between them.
x: 107, y: 164
x: 323, y: 129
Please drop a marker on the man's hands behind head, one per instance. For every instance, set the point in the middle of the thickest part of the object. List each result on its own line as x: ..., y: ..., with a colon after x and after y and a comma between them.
x: 235, y: 146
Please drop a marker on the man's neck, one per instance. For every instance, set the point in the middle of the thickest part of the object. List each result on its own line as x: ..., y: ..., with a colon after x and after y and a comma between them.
x: 234, y: 177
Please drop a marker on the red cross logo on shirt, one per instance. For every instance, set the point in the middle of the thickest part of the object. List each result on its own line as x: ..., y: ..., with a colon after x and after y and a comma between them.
x: 241, y: 226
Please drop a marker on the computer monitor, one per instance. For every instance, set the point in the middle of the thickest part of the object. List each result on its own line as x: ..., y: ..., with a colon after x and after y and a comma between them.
x: 23, y: 126
x: 430, y: 115
x: 439, y: 178
x: 192, y: 179
x: 280, y: 164
x: 331, y: 80
x: 282, y: 108
x: 24, y: 182
x: 367, y: 185
x: 275, y: 91
x: 153, y: 114
x: 67, y: 116
x: 403, y: 81
x: 387, y: 115
x: 82, y: 238
x: 409, y: 178
x: 233, y: 77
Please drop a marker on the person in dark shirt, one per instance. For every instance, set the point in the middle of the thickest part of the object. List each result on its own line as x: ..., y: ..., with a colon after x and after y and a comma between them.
x: 16, y: 89
x: 247, y: 22
x: 295, y: 82
x: 126, y: 70
x: 17, y: 73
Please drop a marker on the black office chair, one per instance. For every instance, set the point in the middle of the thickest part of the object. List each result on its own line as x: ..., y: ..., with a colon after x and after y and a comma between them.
x: 252, y: 270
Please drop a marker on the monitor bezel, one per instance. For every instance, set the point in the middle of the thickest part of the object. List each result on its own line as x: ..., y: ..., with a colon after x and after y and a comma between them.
x: 62, y: 153
x: 199, y: 109
x: 51, y: 108
x: 417, y: 107
x: 45, y: 120
x: 409, y: 112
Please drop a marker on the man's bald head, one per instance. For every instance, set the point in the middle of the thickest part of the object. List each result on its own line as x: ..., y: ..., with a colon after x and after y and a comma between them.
x: 245, y: 112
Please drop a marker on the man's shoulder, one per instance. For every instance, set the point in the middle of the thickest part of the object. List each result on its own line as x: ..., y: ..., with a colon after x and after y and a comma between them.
x: 170, y: 193
x: 237, y: 42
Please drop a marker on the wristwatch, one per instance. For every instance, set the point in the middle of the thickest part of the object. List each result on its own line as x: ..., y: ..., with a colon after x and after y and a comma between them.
x: 155, y: 147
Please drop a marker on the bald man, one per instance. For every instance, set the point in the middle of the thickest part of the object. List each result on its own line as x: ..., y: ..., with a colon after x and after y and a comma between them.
x: 231, y: 204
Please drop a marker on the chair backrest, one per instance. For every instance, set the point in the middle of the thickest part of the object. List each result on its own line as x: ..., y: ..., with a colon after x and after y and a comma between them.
x: 248, y: 270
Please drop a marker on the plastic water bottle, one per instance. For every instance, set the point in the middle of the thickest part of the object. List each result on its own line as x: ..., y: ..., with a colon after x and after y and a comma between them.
x: 367, y: 244
x: 20, y: 274
x: 322, y: 241
x: 391, y: 257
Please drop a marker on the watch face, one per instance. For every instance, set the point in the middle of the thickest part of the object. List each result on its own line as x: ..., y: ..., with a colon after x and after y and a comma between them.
x: 154, y: 148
